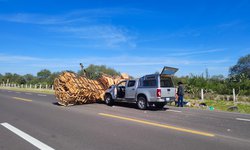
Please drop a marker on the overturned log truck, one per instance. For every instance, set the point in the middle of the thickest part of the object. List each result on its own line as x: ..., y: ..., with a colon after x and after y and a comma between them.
x: 72, y: 89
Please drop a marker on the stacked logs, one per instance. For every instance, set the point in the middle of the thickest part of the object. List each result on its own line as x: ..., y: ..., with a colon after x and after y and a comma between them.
x: 71, y: 89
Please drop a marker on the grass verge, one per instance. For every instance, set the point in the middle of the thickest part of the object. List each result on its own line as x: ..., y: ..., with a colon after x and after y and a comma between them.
x: 223, y: 105
x: 29, y: 90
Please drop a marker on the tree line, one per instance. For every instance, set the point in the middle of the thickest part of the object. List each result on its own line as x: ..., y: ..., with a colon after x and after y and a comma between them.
x: 238, y: 78
x: 46, y: 77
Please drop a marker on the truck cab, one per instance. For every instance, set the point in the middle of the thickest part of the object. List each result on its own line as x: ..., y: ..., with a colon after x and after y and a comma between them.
x: 149, y: 90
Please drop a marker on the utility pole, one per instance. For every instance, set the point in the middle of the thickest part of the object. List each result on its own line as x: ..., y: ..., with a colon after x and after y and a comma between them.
x: 81, y: 65
x: 82, y: 69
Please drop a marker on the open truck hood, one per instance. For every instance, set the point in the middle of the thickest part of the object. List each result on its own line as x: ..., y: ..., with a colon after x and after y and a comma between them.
x: 170, y: 71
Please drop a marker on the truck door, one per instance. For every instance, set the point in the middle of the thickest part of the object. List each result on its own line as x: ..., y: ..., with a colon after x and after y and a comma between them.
x: 130, y: 89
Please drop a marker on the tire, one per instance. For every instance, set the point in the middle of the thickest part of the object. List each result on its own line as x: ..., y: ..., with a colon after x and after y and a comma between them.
x: 142, y: 103
x: 108, y: 100
x: 159, y: 105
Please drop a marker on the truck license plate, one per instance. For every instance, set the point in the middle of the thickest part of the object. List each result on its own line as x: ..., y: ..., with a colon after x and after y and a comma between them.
x: 167, y: 99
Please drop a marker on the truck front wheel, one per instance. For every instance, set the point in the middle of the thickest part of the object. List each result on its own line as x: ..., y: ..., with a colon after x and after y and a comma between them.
x: 142, y: 103
x: 108, y: 100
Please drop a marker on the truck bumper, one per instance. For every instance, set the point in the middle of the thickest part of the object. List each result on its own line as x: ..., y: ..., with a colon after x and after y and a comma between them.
x: 162, y: 100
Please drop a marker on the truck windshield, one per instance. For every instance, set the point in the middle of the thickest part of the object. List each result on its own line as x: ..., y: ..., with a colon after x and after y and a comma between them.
x: 166, y: 82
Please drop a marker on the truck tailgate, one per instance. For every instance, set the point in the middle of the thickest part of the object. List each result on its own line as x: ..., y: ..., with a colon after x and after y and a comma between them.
x: 168, y: 92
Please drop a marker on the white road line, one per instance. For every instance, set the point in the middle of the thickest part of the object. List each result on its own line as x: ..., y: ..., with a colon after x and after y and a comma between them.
x: 174, y: 110
x: 27, y: 137
x: 28, y: 93
x: 41, y: 95
x: 242, y: 119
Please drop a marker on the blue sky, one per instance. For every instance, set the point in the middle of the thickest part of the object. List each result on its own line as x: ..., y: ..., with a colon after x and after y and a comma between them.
x: 136, y: 37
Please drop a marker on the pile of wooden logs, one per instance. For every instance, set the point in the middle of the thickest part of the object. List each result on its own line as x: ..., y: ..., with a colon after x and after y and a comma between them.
x: 71, y: 89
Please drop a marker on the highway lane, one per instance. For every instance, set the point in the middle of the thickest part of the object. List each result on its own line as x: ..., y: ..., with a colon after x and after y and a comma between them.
x: 82, y: 127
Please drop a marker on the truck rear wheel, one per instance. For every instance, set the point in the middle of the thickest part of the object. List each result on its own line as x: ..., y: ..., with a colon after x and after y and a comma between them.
x: 108, y: 100
x: 142, y: 103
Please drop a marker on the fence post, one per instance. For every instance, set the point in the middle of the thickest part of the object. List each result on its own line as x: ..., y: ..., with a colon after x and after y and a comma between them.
x: 234, y: 96
x: 40, y: 86
x: 35, y: 86
x: 46, y: 86
x: 202, y: 95
x: 52, y: 87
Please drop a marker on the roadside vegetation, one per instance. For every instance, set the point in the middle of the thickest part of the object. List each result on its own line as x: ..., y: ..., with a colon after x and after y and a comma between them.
x: 238, y: 79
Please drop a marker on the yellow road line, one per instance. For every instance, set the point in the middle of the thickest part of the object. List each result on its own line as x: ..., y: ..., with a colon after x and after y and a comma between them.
x: 159, y: 125
x: 22, y: 99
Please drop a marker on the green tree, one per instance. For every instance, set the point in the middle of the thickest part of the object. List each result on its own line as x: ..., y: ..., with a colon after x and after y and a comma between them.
x: 29, y: 78
x: 1, y: 78
x: 52, y: 77
x: 8, y: 78
x: 94, y: 71
x: 43, y: 76
x: 239, y: 76
x: 21, y: 80
x: 242, y: 67
x: 16, y: 78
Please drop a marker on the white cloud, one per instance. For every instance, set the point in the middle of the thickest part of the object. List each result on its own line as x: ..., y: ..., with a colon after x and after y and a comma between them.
x: 228, y: 25
x: 33, y: 18
x: 84, y: 15
x: 110, y: 61
x: 196, y: 52
x: 14, y: 59
x: 87, y: 25
x: 44, y: 19
x: 108, y: 35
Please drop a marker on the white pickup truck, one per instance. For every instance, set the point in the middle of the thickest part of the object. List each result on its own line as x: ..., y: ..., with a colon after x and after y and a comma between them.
x: 149, y: 90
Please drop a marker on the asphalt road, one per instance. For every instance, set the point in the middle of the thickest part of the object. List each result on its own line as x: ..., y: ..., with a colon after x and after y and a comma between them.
x: 33, y: 121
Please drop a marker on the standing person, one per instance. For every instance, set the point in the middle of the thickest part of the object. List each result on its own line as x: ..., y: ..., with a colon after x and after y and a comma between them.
x: 180, y: 93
